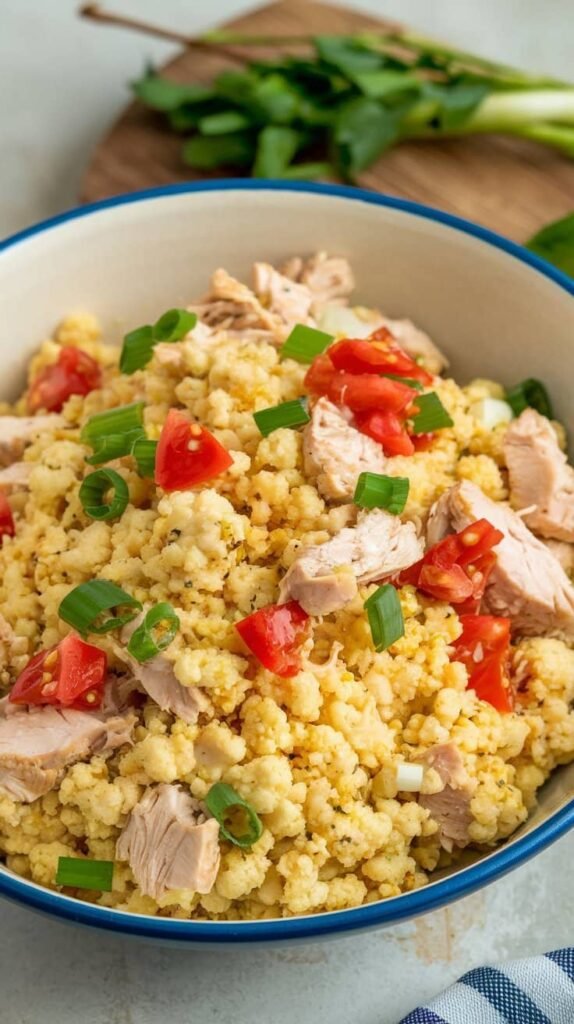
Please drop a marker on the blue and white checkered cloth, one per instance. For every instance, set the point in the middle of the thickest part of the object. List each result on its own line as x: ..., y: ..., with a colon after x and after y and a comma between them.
x: 537, y: 990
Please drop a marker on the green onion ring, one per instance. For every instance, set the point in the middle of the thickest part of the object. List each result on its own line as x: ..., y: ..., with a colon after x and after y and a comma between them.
x: 223, y: 798
x: 92, y: 492
x: 83, y: 607
x: 143, y: 645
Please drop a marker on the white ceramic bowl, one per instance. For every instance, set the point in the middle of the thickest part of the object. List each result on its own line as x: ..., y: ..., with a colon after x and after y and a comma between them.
x: 494, y: 308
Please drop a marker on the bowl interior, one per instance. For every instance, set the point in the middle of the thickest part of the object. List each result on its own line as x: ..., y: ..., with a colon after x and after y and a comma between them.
x: 489, y: 310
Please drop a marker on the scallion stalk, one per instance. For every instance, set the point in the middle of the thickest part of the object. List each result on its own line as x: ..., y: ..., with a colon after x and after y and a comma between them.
x: 289, y: 414
x: 375, y: 490
x: 156, y: 632
x: 385, y: 617
x: 77, y: 873
x: 144, y: 452
x: 304, y: 343
x: 222, y: 801
x: 530, y: 393
x: 83, y: 607
x: 94, y: 489
x: 431, y: 414
x: 121, y: 420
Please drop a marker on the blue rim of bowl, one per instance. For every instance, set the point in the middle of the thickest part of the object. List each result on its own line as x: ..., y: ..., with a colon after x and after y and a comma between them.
x: 394, y: 909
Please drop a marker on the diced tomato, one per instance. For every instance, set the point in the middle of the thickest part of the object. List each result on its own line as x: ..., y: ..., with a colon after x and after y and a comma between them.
x: 69, y: 675
x: 320, y: 375
x: 484, y: 647
x: 274, y: 635
x: 422, y: 442
x: 388, y: 430
x: 379, y: 353
x: 74, y: 373
x: 187, y: 454
x: 7, y: 528
x: 367, y: 392
x: 457, y: 568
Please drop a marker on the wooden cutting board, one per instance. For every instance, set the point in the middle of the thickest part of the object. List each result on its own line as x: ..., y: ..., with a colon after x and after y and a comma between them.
x: 510, y: 185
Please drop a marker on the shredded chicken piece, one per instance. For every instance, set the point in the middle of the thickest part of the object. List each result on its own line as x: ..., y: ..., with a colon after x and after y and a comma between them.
x: 539, y: 476
x: 336, y: 453
x: 450, y: 808
x: 325, y: 577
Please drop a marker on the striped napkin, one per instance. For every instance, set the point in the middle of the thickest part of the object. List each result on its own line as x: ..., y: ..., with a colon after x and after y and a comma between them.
x: 536, y: 990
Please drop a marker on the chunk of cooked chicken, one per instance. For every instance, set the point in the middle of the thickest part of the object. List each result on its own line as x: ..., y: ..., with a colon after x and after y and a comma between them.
x: 16, y: 477
x: 527, y: 583
x: 563, y: 552
x: 335, y: 452
x: 231, y: 306
x: 157, y: 679
x: 18, y: 431
x: 325, y: 577
x: 450, y: 808
x: 169, y: 843
x: 36, y: 743
x: 328, y: 278
x: 417, y: 344
x: 539, y: 475
x: 288, y: 299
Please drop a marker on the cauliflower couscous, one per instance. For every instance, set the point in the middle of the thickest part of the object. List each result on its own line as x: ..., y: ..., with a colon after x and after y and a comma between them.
x: 286, y: 617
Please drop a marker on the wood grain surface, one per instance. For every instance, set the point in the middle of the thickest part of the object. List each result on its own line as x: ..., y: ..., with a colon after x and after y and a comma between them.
x: 506, y: 184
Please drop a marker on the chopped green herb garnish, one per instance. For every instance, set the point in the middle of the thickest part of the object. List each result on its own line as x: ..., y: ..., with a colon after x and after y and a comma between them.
x: 530, y: 393
x: 304, y: 343
x: 77, y: 873
x: 431, y: 416
x: 385, y: 617
x: 93, y: 492
x: 409, y: 381
x: 144, y: 452
x: 139, y: 344
x: 226, y: 805
x: 288, y: 414
x: 156, y: 632
x: 374, y: 490
x: 84, y: 606
x: 120, y: 420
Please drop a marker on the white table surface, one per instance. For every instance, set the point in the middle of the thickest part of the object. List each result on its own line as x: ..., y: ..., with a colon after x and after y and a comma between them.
x: 62, y: 82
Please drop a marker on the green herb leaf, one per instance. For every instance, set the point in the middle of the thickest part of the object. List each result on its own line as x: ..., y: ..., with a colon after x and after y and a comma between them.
x: 137, y: 349
x: 431, y: 416
x: 347, y: 55
x: 276, y: 147
x: 114, y: 446
x: 174, y: 325
x: 304, y: 343
x: 120, y: 420
x: 207, y: 152
x: 375, y: 490
x: 288, y: 414
x: 385, y: 617
x: 530, y: 393
x: 82, y: 608
x: 155, y: 633
x: 455, y: 101
x: 162, y: 94
x: 223, y: 801
x: 364, y: 129
x: 144, y: 452
x: 85, y: 874
x: 382, y: 84
x: 94, y: 489
x: 555, y: 243
x: 223, y: 123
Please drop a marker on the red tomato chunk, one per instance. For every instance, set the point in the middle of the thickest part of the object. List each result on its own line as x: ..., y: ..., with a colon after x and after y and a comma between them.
x: 7, y: 528
x: 457, y: 568
x: 74, y: 373
x: 274, y: 635
x: 187, y: 454
x: 484, y: 648
x: 69, y: 675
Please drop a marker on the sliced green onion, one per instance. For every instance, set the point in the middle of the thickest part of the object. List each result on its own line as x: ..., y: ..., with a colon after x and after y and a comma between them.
x: 94, y: 489
x: 222, y: 800
x: 156, y: 632
x: 304, y: 343
x: 112, y: 421
x: 138, y: 345
x: 174, y: 325
x: 143, y: 452
x: 530, y: 393
x: 288, y: 414
x: 385, y: 617
x: 432, y: 414
x: 375, y: 490
x: 82, y: 608
x: 114, y: 446
x: 137, y: 349
x: 409, y: 381
x: 85, y: 874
